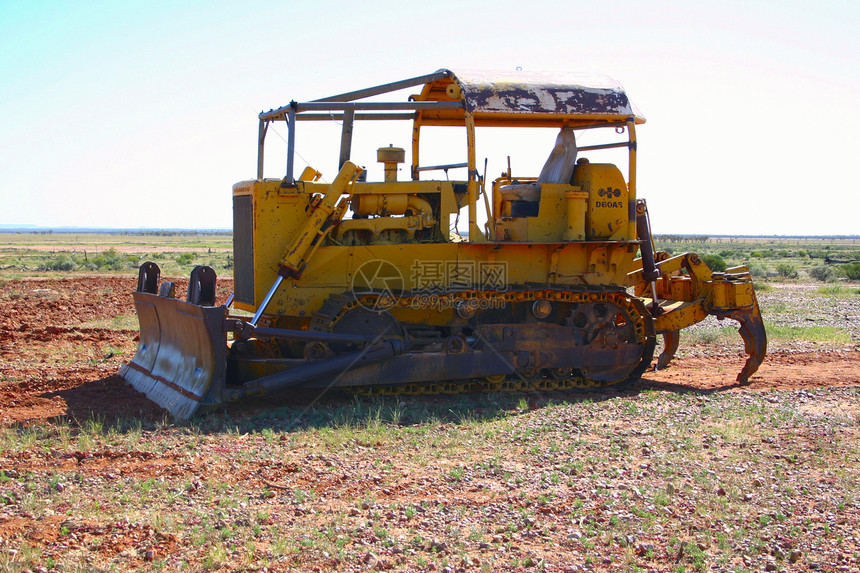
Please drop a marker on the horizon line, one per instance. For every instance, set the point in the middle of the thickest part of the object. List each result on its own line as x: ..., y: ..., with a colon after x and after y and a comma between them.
x: 5, y: 228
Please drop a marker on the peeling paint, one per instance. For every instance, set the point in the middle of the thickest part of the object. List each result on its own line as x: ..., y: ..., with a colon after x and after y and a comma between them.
x: 530, y: 92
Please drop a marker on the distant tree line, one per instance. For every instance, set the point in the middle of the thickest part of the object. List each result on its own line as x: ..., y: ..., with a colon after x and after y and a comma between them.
x: 130, y: 232
x: 178, y: 233
x: 732, y: 238
x: 682, y: 238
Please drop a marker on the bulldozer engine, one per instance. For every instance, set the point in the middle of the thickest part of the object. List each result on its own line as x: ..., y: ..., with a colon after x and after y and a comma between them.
x: 368, y: 285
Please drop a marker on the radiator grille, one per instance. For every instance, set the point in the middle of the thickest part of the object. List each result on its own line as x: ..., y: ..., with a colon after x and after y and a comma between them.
x: 243, y: 249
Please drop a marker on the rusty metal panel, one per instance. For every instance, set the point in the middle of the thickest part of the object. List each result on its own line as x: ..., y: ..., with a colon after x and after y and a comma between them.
x: 543, y: 92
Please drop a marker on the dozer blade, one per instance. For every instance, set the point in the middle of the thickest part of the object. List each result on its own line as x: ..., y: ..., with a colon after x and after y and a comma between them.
x: 180, y: 363
x: 755, y: 339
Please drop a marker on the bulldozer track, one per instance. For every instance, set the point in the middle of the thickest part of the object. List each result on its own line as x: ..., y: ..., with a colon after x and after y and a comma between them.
x: 337, y: 306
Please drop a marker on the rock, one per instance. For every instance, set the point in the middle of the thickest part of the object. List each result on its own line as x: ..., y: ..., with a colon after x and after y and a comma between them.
x: 777, y: 552
x: 149, y: 555
x: 721, y: 491
x: 529, y: 521
x: 370, y: 560
x: 644, y: 548
x: 795, y: 555
x: 770, y: 566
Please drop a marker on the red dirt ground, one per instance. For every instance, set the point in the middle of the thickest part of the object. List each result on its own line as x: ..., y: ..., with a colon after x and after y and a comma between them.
x: 59, y: 356
x: 60, y: 349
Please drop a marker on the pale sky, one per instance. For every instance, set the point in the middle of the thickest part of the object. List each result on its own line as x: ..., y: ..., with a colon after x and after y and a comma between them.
x: 143, y: 114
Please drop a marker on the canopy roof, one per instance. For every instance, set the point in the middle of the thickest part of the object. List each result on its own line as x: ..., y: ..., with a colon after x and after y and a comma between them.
x: 490, y: 97
x: 493, y: 95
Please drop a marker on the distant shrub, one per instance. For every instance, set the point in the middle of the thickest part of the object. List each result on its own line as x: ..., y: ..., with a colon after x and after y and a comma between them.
x: 185, y: 258
x: 107, y: 260
x: 715, y: 263
x: 852, y: 271
x: 786, y: 270
x: 783, y: 253
x: 801, y: 253
x: 822, y: 273
x: 110, y: 260
x: 61, y: 263
x: 762, y: 287
x: 757, y: 270
x: 725, y: 253
x: 757, y: 255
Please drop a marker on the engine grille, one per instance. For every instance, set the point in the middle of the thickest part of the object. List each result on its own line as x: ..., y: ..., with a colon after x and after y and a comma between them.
x: 243, y: 249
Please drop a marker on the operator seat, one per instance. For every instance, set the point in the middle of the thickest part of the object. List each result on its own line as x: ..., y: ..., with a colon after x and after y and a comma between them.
x: 525, y: 197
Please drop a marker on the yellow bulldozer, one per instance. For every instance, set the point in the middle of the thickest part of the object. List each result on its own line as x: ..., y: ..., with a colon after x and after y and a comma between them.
x: 550, y: 282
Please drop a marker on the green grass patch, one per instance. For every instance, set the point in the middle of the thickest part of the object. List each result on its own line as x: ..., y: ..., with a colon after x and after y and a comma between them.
x: 808, y: 333
x: 777, y: 307
x: 838, y: 290
x: 710, y: 334
x: 717, y: 335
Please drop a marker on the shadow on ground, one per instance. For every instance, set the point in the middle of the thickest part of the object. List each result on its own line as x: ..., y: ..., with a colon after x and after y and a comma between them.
x: 113, y: 402
x: 110, y: 400
x: 646, y: 383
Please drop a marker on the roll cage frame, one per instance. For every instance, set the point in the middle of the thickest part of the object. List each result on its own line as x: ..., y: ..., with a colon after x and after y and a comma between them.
x: 470, y: 100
